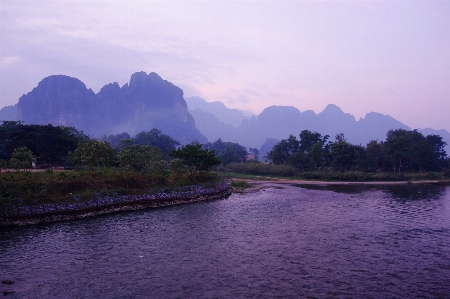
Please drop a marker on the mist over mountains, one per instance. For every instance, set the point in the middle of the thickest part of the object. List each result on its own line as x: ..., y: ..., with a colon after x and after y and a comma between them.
x: 278, y: 122
x: 149, y: 102
x: 232, y: 117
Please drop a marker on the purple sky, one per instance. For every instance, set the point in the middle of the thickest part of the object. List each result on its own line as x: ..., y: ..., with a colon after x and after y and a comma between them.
x: 391, y: 57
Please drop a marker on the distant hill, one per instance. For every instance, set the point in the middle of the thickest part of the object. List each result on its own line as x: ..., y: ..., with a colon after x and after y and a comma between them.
x: 232, y: 117
x: 8, y: 113
x: 278, y: 122
x: 149, y: 102
x: 146, y: 102
x: 212, y: 126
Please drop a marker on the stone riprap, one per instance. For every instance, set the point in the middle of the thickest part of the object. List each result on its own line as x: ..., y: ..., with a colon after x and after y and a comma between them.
x: 18, y: 215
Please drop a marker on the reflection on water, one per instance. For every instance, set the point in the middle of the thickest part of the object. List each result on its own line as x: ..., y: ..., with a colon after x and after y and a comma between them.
x: 336, y: 242
x: 397, y: 191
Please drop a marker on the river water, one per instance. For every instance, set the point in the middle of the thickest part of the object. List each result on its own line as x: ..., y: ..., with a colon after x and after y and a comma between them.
x: 281, y: 242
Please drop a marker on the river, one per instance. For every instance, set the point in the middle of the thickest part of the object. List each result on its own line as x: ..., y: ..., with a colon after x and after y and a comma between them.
x: 283, y: 241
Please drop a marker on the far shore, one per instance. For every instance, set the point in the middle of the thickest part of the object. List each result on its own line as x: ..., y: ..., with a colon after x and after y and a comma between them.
x: 266, y: 182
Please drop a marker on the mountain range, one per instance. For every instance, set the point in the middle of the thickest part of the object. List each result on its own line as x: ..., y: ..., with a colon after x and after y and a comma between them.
x: 149, y: 102
x: 278, y: 122
x: 146, y: 102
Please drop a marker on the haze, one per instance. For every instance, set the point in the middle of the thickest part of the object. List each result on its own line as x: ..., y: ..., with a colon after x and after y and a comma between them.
x: 390, y: 57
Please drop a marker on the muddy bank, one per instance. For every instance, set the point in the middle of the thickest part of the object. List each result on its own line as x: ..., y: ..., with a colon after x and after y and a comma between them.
x: 15, y: 215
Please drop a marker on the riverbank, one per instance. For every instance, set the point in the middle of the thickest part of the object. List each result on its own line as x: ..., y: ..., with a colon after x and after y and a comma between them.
x: 337, y: 176
x: 45, y: 213
x: 258, y: 183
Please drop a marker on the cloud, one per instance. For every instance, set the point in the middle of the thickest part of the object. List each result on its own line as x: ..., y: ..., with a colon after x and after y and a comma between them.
x: 249, y: 53
x: 10, y: 60
x: 238, y: 99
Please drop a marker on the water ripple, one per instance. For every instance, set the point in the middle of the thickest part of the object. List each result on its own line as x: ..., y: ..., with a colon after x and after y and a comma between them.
x: 278, y: 243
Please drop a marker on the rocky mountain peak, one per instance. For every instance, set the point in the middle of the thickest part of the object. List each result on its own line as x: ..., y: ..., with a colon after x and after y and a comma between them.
x: 147, y: 102
x: 331, y: 109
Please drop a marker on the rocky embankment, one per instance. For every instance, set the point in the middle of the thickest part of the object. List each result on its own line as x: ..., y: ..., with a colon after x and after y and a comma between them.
x: 18, y: 215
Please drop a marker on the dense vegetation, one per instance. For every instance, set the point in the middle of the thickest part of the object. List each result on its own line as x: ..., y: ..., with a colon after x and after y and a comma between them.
x: 402, y: 151
x: 148, y: 162
x: 72, y: 186
x: 227, y: 152
x: 49, y: 144
x: 120, y: 164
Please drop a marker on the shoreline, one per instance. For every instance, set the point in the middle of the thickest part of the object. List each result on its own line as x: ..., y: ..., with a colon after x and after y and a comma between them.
x: 265, y: 183
x: 39, y: 214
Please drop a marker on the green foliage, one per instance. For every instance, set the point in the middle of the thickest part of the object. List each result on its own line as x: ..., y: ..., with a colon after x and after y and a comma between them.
x: 411, y: 150
x: 195, y: 158
x: 92, y: 153
x: 240, y: 184
x: 282, y: 152
x: 48, y: 143
x: 72, y: 186
x: 360, y: 176
x: 4, y: 164
x: 308, y: 139
x: 377, y: 156
x: 402, y: 150
x: 177, y: 166
x: 22, y: 158
x: 155, y: 138
x: 308, y: 153
x: 346, y: 156
x: 116, y: 140
x: 142, y: 158
x: 261, y: 169
x: 227, y: 152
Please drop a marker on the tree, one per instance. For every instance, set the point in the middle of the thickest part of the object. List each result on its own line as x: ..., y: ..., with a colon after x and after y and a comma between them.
x: 3, y: 164
x: 22, y: 158
x: 155, y: 138
x: 413, y: 151
x: 227, y: 152
x: 92, y: 153
x: 195, y: 158
x: 346, y: 156
x: 399, y: 147
x: 308, y: 153
x: 282, y: 151
x: 142, y: 158
x: 316, y: 154
x: 48, y: 143
x: 116, y: 140
x: 437, y: 155
x: 427, y: 152
x: 377, y: 158
x: 308, y: 139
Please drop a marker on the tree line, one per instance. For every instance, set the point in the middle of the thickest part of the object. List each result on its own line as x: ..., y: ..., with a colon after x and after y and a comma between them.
x: 152, y: 151
x: 401, y: 151
x: 155, y: 152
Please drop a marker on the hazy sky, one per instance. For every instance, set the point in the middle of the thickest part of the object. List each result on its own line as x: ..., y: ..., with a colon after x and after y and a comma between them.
x: 391, y: 57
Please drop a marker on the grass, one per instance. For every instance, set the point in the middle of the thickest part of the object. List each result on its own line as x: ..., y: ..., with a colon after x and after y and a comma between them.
x: 260, y: 171
x: 358, y: 176
x: 251, y: 176
x: 240, y: 184
x: 348, y: 176
x: 70, y: 186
